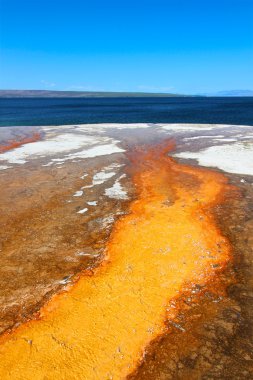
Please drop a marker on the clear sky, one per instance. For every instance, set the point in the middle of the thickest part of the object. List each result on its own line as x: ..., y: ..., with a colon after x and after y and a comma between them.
x: 182, y: 46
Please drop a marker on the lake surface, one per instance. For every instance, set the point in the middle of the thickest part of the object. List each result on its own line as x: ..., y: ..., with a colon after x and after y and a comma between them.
x: 55, y: 111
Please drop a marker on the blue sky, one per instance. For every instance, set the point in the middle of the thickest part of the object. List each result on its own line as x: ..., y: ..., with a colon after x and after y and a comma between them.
x: 182, y: 46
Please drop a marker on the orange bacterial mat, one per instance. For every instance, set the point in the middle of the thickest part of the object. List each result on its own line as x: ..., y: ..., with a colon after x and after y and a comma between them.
x: 100, y: 327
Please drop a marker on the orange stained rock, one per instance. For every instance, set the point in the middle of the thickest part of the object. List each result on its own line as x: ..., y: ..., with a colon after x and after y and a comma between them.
x: 12, y: 144
x: 101, y: 326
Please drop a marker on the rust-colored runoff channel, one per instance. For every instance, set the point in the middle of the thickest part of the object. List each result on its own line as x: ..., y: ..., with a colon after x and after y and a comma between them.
x: 101, y: 326
x: 13, y: 144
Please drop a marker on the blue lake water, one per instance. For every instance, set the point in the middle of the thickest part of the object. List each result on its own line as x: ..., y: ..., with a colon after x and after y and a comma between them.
x: 55, y: 111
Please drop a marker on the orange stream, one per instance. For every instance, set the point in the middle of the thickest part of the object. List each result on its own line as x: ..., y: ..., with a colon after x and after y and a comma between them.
x: 101, y: 326
x: 12, y: 144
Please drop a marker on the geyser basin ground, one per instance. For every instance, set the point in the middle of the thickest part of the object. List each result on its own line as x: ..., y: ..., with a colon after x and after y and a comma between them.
x: 149, y: 235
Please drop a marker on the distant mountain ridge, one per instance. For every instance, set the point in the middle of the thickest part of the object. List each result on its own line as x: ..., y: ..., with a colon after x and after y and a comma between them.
x: 104, y: 94
x: 77, y: 94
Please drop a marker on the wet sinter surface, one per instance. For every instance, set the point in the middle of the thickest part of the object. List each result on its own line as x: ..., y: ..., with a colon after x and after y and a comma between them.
x: 100, y: 327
